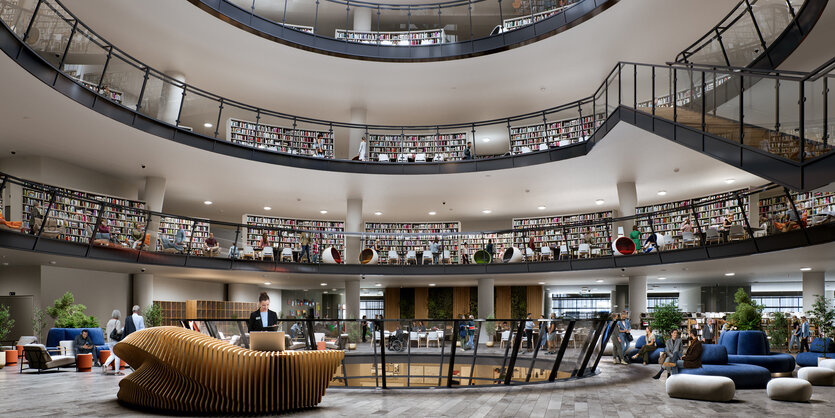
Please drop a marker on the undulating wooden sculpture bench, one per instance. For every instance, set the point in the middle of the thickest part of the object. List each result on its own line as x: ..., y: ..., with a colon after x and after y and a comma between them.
x: 177, y: 369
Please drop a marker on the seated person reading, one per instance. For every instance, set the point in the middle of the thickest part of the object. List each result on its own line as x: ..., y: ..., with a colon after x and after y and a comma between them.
x: 83, y: 344
x: 210, y: 246
x: 177, y: 245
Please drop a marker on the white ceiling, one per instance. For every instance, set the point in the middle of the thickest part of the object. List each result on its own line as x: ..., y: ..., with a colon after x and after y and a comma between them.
x: 42, y: 122
x: 214, y: 55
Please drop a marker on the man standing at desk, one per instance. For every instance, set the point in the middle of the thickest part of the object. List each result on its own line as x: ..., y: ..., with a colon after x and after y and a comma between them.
x: 263, y: 319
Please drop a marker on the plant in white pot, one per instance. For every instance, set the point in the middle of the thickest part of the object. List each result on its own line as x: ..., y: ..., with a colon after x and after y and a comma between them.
x: 6, y: 325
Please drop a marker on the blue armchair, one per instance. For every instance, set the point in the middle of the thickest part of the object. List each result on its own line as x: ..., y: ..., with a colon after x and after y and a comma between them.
x: 715, y: 363
x: 816, y: 350
x: 751, y: 347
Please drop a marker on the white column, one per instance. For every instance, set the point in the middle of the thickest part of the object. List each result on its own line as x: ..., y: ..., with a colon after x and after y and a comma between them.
x: 690, y: 298
x: 353, y: 223
x: 172, y: 96
x: 359, y: 115
x: 486, y: 288
x: 813, y: 285
x: 637, y: 297
x: 619, y: 298
x: 627, y: 201
x: 154, y: 196
x: 352, y: 299
x: 143, y: 290
x: 754, y: 210
x: 362, y: 18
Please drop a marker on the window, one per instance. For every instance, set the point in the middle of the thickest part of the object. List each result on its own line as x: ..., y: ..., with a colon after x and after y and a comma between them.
x: 580, y: 306
x: 657, y: 299
x: 779, y: 301
x: 371, y: 307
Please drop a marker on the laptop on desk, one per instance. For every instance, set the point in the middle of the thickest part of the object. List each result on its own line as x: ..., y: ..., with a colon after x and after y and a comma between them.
x: 266, y: 340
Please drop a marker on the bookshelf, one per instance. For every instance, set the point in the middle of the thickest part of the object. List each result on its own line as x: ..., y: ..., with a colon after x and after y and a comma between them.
x: 559, y: 233
x: 518, y: 22
x: 172, y: 312
x: 394, y: 240
x: 281, y: 239
x: 169, y: 226
x: 397, y: 38
x: 300, y: 28
x: 277, y: 138
x: 501, y: 242
x: 811, y: 203
x: 711, y: 215
x: 554, y: 134
x: 685, y: 97
x: 218, y: 309
x: 76, y: 215
x: 452, y: 145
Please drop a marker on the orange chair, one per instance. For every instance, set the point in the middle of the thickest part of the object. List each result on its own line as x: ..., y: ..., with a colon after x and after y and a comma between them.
x: 16, y: 226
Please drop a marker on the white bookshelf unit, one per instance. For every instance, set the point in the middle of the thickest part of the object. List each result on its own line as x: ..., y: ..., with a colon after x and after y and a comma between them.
x: 168, y: 227
x: 287, y: 238
x: 300, y: 28
x: 518, y: 22
x: 557, y: 231
x: 78, y: 217
x: 398, y: 38
x: 451, y: 146
x: 554, y: 134
x: 677, y: 212
x: 477, y: 242
x: 393, y: 238
x: 277, y: 138
x: 811, y: 204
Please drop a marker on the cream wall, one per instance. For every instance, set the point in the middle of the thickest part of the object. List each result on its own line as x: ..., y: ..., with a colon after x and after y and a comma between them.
x: 23, y: 280
x: 180, y: 290
x: 101, y: 292
x: 55, y: 172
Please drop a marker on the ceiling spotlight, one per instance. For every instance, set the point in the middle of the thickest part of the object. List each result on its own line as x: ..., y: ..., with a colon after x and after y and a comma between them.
x: 431, y: 284
x: 599, y: 201
x: 486, y: 139
x: 267, y: 208
x: 806, y: 269
x: 433, y: 213
x: 541, y: 282
x: 323, y: 211
x: 662, y: 192
x: 730, y: 274
x: 333, y: 290
x: 267, y: 283
x: 207, y: 125
x: 486, y: 211
x: 53, y: 262
x: 207, y: 202
x: 599, y: 281
x: 323, y: 284
x: 541, y: 207
x: 378, y: 213
x: 729, y: 181
x: 378, y: 284
x: 325, y: 292
x: 662, y: 278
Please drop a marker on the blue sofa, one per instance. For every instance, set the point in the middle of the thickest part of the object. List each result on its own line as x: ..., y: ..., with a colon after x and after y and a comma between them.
x: 640, y: 342
x: 751, y: 347
x: 816, y: 349
x: 56, y: 335
x: 715, y: 363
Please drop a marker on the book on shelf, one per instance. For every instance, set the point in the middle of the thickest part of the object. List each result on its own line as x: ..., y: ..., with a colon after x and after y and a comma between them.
x: 567, y: 230
x: 397, y: 38
x: 195, y: 232
x: 285, y: 235
x: 278, y: 138
x: 677, y: 212
x: 553, y: 133
x: 393, y: 238
x: 450, y: 146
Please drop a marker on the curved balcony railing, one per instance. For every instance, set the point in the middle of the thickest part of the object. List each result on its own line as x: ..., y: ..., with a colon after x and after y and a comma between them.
x: 73, y: 224
x: 405, y: 32
x: 432, y: 353
x: 780, y: 118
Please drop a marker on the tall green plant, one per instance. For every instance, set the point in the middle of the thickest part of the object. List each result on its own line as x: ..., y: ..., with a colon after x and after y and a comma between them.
x: 439, y: 305
x: 778, y: 330
x: 666, y: 318
x: 6, y: 322
x: 490, y: 325
x: 39, y: 323
x: 153, y: 315
x: 748, y: 315
x: 518, y: 302
x: 69, y: 315
x: 823, y: 318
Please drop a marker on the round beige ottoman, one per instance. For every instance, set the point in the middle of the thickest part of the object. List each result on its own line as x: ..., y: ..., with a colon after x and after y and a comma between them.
x: 703, y: 388
x: 789, y: 389
x: 818, y: 376
x: 829, y: 364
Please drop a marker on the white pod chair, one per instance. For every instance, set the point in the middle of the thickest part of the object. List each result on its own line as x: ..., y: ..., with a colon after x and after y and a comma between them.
x: 331, y: 256
x: 369, y: 256
x: 512, y: 255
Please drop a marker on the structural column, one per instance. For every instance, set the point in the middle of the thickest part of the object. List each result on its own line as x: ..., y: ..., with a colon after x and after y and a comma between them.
x: 143, y: 290
x: 627, y: 201
x: 814, y: 285
x: 690, y: 298
x: 620, y: 298
x: 485, y: 297
x: 359, y: 116
x: 172, y: 97
x: 362, y: 18
x: 353, y: 223
x: 154, y: 196
x: 637, y: 298
x: 352, y: 299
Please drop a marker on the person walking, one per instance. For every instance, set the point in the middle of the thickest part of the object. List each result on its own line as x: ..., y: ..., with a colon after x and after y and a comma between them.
x: 795, y: 335
x: 114, y: 335
x: 804, y: 334
x: 614, y: 337
x: 364, y: 325
x: 625, y: 328
x: 305, y: 242
x: 471, y: 333
x: 529, y: 331
x: 708, y: 332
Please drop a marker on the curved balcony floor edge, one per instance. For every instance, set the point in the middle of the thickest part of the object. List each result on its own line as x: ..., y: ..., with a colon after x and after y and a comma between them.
x: 525, y: 35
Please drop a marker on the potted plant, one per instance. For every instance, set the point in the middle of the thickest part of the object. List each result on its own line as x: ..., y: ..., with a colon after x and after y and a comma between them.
x: 69, y: 315
x: 490, y: 330
x: 666, y: 318
x: 153, y: 315
x: 748, y: 315
x: 778, y: 330
x: 6, y: 325
x: 39, y: 323
x: 823, y: 318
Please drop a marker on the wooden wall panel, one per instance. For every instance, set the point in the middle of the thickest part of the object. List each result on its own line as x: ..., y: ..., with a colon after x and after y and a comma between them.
x: 421, y: 302
x: 191, y: 309
x: 502, y: 302
x: 460, y: 301
x: 392, y: 306
x: 535, y: 301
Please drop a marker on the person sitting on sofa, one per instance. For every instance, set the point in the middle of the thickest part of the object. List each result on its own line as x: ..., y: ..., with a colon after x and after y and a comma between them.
x: 210, y: 246
x: 138, y: 237
x: 83, y: 344
x: 651, y: 243
x: 649, y: 346
x: 671, y: 353
x: 103, y: 233
x: 179, y: 238
x: 692, y: 359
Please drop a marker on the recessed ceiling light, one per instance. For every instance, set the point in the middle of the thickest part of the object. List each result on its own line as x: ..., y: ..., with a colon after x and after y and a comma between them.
x: 325, y: 292
x: 323, y: 211
x: 267, y: 208
x: 207, y: 202
x: 267, y: 283
x: 729, y: 181
x: 431, y: 284
x: 323, y: 284
x: 599, y: 201
x: 486, y: 211
x: 541, y: 282
x: 599, y: 281
x: 486, y: 139
x: 333, y: 290
x: 541, y: 207
x: 662, y: 192
x: 378, y: 213
x: 378, y: 284
x: 730, y: 274
x: 806, y: 269
x: 662, y: 278
x: 52, y: 262
x: 207, y: 125
x: 433, y: 213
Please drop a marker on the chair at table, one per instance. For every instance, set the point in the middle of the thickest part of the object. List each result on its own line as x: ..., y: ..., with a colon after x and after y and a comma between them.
x: 584, y: 250
x: 446, y: 257
x: 712, y: 235
x: 413, y: 336
x: 393, y: 258
x: 427, y: 255
x: 543, y: 147
x: 545, y: 253
x: 383, y: 158
x: 505, y: 338
x: 411, y: 257
x: 688, y: 239
x: 525, y: 150
x: 564, y: 251
x: 736, y: 233
x: 422, y: 336
x: 286, y: 254
x: 530, y: 254
x: 248, y: 253
x: 420, y: 158
x: 564, y: 142
x: 438, y: 157
x: 268, y: 253
x: 402, y: 158
x: 432, y: 336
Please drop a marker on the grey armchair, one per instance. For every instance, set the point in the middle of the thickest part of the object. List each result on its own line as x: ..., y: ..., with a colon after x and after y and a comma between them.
x: 39, y: 359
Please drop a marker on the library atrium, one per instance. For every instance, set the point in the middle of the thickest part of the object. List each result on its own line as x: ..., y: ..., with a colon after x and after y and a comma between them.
x: 335, y: 207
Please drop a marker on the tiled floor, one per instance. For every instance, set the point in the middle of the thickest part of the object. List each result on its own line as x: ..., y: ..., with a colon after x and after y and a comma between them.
x: 618, y: 391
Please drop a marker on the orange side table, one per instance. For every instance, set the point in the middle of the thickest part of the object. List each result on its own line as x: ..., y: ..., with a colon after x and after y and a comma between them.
x: 20, y: 352
x: 11, y: 357
x: 84, y: 362
x: 104, y: 354
x: 321, y: 345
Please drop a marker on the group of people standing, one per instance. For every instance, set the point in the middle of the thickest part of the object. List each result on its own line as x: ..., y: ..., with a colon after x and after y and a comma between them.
x: 800, y: 334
